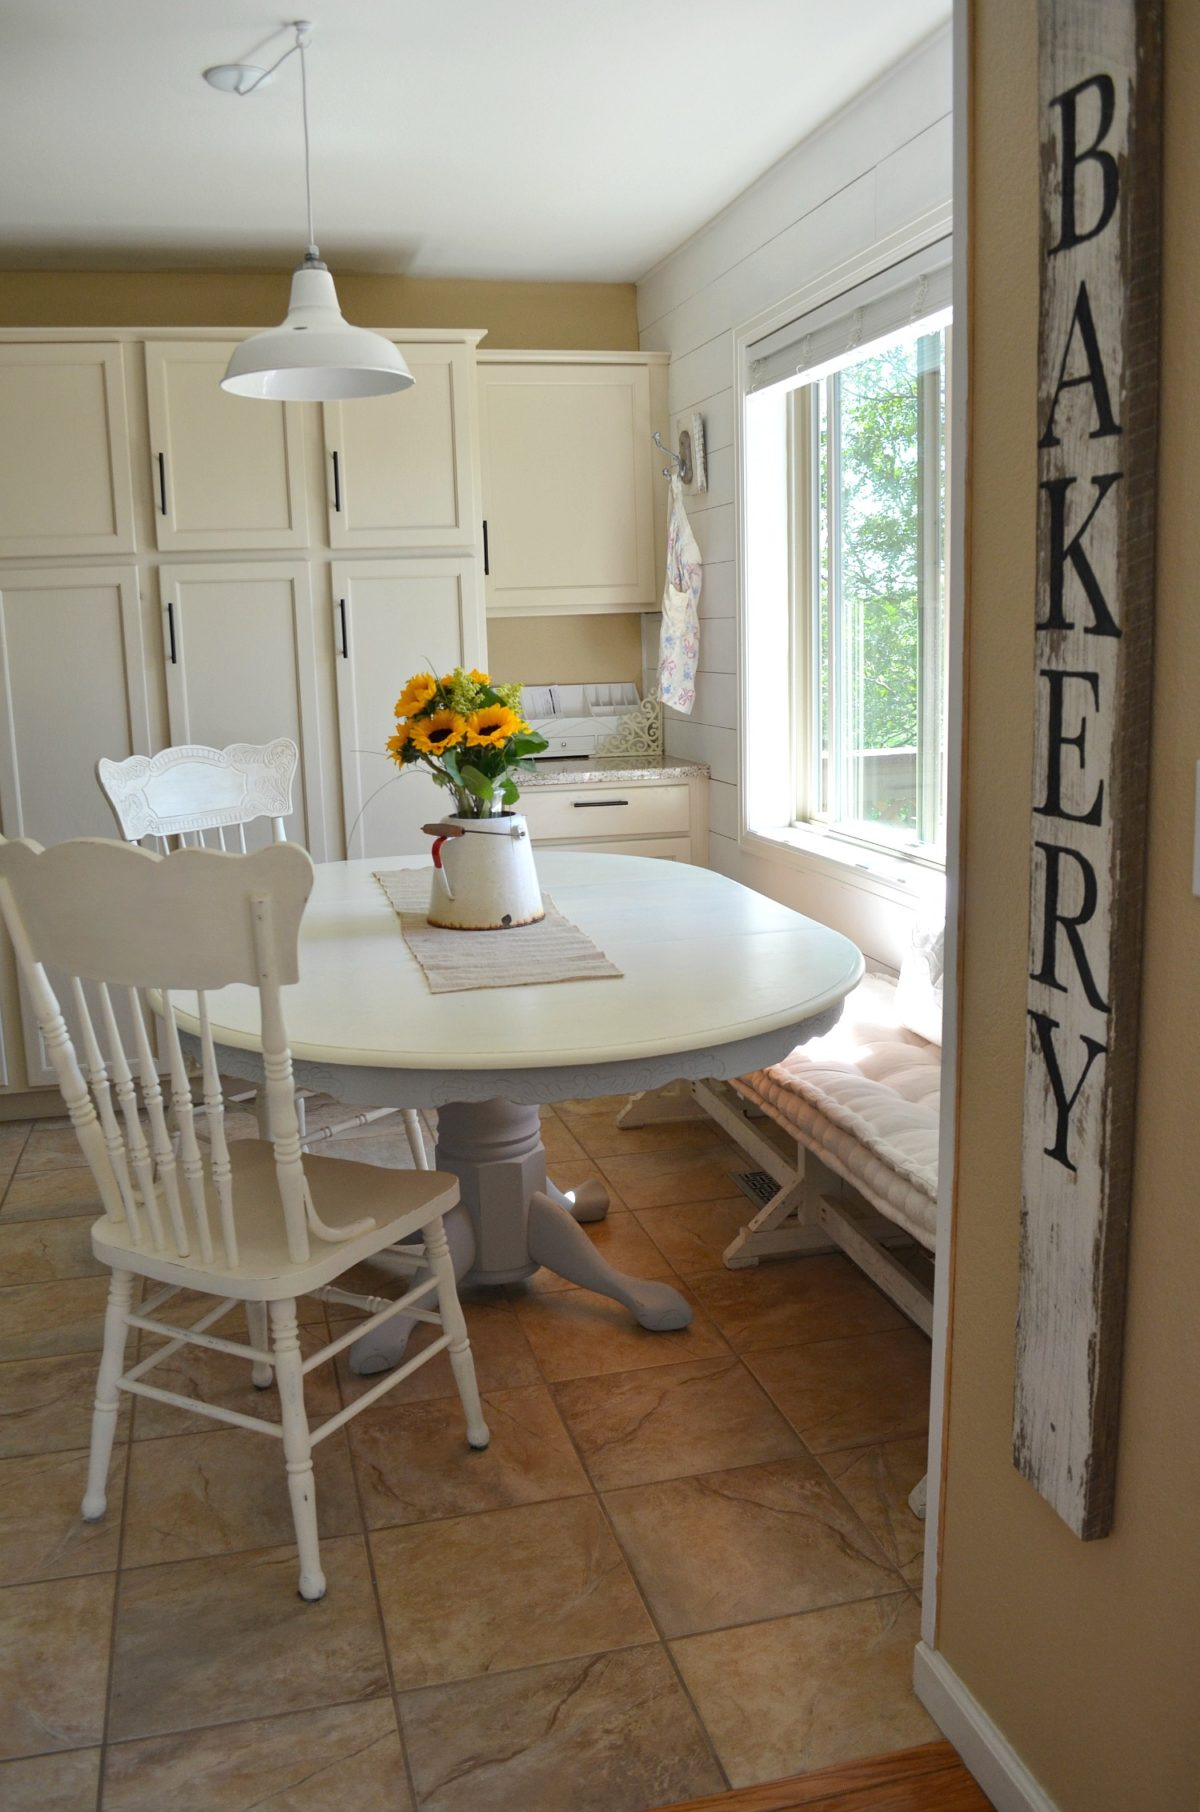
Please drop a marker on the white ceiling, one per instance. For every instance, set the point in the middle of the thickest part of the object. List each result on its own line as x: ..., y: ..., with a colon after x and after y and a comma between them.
x: 451, y: 138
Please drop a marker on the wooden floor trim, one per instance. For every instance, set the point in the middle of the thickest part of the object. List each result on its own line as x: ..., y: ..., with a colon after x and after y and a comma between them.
x: 928, y: 1779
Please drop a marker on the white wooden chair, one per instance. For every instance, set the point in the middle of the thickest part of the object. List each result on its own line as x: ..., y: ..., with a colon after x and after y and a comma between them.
x: 193, y: 796
x: 253, y: 1221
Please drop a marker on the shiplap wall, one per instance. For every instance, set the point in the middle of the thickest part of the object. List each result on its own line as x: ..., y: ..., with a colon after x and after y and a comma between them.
x: 872, y: 171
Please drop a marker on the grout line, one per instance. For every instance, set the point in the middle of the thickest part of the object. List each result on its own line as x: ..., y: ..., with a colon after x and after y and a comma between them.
x: 29, y: 1126
x: 112, y: 1635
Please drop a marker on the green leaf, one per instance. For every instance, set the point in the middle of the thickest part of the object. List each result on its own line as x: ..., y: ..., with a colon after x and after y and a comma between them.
x: 510, y: 792
x: 477, y: 783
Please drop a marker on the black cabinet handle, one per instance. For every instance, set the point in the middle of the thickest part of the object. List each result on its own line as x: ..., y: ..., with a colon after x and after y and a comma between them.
x: 173, y: 654
x: 337, y: 483
x: 486, y: 567
x: 162, y: 483
x: 591, y: 805
x: 342, y: 619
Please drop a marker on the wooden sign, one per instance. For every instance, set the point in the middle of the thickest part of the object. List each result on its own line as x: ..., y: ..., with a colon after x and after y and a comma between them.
x: 1099, y: 77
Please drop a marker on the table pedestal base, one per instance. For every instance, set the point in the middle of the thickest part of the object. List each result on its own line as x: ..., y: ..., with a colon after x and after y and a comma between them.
x: 520, y: 1222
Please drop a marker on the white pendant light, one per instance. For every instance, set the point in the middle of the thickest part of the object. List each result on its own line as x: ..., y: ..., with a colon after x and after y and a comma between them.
x: 314, y: 355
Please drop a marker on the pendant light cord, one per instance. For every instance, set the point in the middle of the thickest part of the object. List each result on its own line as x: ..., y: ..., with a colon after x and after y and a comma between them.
x: 312, y: 252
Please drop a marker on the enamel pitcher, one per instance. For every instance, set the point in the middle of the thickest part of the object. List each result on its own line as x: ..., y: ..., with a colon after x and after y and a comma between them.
x: 483, y: 874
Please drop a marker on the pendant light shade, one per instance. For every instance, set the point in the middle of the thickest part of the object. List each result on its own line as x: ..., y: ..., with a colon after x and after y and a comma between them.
x: 314, y: 356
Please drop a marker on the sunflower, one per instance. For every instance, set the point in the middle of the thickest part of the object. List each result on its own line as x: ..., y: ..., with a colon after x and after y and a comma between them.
x: 396, y: 744
x: 481, y: 679
x: 437, y: 732
x: 419, y: 690
x: 494, y: 724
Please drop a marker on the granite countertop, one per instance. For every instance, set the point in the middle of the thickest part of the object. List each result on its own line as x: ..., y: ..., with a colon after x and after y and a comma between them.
x: 600, y: 770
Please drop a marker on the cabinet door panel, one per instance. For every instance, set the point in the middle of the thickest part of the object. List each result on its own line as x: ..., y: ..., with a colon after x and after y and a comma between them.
x: 232, y: 468
x: 73, y: 684
x: 64, y: 451
x: 404, y: 474
x: 402, y: 617
x: 245, y: 671
x: 567, y: 487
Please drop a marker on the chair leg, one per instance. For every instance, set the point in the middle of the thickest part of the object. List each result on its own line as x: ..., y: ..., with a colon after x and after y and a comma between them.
x: 416, y: 1137
x: 262, y: 1375
x: 104, y: 1416
x: 455, y: 1324
x: 297, y: 1447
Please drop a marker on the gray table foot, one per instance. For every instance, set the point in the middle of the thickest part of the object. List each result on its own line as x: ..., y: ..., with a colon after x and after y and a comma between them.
x: 587, y: 1203
x: 556, y: 1241
x: 384, y: 1346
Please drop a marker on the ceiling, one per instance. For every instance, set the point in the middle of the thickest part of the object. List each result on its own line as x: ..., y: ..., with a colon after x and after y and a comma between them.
x: 451, y: 138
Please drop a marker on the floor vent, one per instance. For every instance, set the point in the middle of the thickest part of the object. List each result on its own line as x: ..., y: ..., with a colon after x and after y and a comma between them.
x: 758, y: 1185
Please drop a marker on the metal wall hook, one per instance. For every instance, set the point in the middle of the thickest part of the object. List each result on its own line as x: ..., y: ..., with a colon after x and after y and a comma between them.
x: 682, y: 467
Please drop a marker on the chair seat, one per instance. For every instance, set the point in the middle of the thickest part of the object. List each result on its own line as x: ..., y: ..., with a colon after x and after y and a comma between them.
x: 399, y: 1201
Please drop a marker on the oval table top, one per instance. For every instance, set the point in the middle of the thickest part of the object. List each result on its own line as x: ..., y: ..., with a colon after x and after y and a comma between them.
x: 717, y: 980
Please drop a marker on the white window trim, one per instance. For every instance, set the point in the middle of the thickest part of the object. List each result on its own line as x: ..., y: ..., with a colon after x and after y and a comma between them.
x: 900, y: 879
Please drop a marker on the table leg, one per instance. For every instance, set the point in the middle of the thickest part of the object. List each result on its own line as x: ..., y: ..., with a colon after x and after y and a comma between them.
x: 383, y: 1348
x: 557, y: 1241
x: 587, y: 1202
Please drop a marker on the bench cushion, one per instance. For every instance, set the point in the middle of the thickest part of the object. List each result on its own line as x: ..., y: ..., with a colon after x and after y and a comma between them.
x: 865, y: 1099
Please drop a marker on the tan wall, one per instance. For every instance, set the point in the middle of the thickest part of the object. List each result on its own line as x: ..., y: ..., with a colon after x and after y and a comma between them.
x: 1086, y: 1655
x: 540, y: 651
x: 580, y: 316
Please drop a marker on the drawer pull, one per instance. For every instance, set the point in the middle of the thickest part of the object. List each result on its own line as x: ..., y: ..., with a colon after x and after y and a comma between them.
x: 591, y: 805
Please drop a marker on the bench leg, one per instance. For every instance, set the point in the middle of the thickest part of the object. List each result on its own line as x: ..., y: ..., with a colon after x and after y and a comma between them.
x: 777, y: 1229
x: 657, y: 1107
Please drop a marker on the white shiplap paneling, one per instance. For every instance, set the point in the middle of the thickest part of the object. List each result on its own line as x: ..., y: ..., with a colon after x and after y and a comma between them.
x: 875, y: 170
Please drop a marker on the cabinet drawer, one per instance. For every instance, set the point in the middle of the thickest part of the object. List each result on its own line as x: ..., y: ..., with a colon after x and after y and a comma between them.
x: 587, y: 813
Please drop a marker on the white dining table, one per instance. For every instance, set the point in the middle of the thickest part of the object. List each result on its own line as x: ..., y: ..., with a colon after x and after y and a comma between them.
x: 716, y: 980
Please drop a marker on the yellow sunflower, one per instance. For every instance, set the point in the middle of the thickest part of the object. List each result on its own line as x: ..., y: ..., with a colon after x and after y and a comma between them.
x: 494, y: 724
x: 397, y: 743
x: 481, y: 679
x: 439, y: 731
x: 419, y: 690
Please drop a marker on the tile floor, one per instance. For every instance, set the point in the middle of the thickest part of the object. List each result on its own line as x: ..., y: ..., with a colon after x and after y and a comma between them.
x: 685, y: 1562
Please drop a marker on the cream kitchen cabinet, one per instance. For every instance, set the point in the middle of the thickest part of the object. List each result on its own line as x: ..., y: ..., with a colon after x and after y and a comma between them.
x: 239, y: 645
x: 633, y: 812
x: 64, y: 451
x: 392, y: 618
x: 227, y: 472
x: 568, y: 481
x: 400, y: 470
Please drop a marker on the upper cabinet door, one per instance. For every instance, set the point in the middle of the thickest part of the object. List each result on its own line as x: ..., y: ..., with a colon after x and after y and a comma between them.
x: 227, y: 471
x: 567, y: 487
x: 64, y: 451
x: 241, y: 667
x: 400, y: 470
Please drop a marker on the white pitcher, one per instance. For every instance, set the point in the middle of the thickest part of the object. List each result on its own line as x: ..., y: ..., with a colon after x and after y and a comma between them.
x: 483, y: 874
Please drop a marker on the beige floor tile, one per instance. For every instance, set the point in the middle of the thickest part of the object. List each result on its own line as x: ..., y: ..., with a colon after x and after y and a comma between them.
x: 619, y: 1239
x: 224, y: 1379
x: 670, y: 1420
x: 850, y: 1393
x: 876, y: 1481
x: 608, y: 1733
x: 42, y: 1533
x: 47, y: 1194
x: 661, y: 1179
x: 13, y: 1137
x: 51, y: 1783
x: 36, y: 1251
x: 414, y: 1463
x: 694, y: 1235
x: 312, y: 1761
x: 734, y: 1547
x: 503, y: 1358
x: 577, y: 1334
x: 562, y: 1147
x: 585, y: 1104
x: 803, y: 1693
x: 794, y: 1301
x: 54, y: 1640
x: 202, y: 1642
x: 38, y: 1320
x: 597, y: 1131
x: 46, y: 1404
x: 503, y: 1590
x: 226, y: 1490
x: 52, y: 1145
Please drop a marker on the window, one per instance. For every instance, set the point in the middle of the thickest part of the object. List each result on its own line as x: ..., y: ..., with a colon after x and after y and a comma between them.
x: 846, y: 485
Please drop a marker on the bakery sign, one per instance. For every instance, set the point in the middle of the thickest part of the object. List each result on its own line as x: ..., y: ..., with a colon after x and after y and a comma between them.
x: 1099, y: 79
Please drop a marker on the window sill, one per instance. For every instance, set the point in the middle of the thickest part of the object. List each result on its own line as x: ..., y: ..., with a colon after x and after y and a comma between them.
x: 891, y: 877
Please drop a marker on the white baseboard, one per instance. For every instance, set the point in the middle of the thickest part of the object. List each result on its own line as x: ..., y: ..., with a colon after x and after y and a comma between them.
x: 988, y: 1754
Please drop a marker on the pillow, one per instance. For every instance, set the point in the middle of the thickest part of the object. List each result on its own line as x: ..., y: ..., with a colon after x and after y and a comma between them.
x: 919, y: 989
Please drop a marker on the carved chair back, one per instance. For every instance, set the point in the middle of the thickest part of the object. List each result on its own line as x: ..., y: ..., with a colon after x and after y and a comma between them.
x: 192, y: 795
x: 129, y: 924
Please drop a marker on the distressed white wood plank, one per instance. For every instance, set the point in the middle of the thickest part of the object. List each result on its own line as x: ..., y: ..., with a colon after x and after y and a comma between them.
x: 1099, y: 77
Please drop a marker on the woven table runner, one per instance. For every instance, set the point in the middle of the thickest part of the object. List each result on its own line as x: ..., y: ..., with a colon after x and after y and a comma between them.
x: 553, y: 950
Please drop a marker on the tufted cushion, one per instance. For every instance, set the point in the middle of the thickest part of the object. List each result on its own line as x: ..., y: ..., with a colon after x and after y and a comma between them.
x: 865, y: 1099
